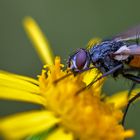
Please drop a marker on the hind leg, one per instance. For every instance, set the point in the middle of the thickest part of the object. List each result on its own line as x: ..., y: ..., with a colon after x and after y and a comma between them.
x: 136, y: 80
x: 128, y: 105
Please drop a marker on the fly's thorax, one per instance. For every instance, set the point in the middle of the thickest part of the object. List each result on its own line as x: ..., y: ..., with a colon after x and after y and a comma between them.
x: 101, y: 55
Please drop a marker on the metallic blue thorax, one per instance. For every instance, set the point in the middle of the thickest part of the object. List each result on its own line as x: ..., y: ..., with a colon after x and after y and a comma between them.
x: 100, y: 55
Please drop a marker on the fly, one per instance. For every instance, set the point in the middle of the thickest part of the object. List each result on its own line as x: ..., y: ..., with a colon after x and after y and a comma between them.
x: 119, y: 55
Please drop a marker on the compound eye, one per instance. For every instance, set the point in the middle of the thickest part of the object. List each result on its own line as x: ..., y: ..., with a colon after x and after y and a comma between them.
x: 81, y: 58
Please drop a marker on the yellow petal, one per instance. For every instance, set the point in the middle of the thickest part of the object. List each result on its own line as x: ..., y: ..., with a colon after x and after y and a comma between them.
x: 129, y: 134
x: 25, y: 78
x: 119, y: 99
x: 18, y: 82
x: 93, y: 42
x: 20, y: 95
x: 39, y: 41
x: 89, y: 76
x: 60, y: 134
x: 29, y: 123
x: 136, y: 91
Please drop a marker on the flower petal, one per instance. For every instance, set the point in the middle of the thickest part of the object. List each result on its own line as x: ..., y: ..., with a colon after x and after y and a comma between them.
x: 129, y: 134
x: 89, y: 76
x: 93, y: 42
x: 119, y: 99
x: 18, y: 82
x: 60, y: 134
x: 134, y: 93
x: 29, y: 123
x: 20, y: 95
x: 29, y: 79
x: 39, y: 41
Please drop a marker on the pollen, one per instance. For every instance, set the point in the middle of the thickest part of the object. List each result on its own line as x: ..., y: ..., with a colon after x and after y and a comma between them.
x: 86, y: 115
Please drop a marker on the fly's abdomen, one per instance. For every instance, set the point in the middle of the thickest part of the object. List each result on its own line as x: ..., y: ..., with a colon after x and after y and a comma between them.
x: 135, y: 62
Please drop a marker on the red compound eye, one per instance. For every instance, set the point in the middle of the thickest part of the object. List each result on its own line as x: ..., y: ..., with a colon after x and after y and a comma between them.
x: 79, y: 61
x: 81, y: 58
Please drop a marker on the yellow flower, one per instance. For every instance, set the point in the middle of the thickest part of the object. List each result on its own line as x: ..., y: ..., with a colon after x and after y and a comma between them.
x: 64, y: 115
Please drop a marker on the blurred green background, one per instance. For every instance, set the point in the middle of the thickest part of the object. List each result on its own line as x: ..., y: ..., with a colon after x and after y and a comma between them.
x: 68, y: 24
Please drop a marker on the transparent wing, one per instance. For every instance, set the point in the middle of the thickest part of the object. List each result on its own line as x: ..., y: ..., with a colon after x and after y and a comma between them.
x: 130, y: 50
x: 130, y: 34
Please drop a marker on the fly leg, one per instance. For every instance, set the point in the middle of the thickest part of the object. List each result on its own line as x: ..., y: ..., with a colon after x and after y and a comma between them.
x: 132, y: 88
x: 136, y: 80
x: 133, y: 85
x: 132, y: 77
x: 97, y: 79
x: 128, y: 105
x: 133, y: 82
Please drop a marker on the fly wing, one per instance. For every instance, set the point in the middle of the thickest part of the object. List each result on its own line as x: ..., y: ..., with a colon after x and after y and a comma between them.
x: 130, y: 50
x: 130, y: 34
x: 124, y: 52
x: 134, y: 50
